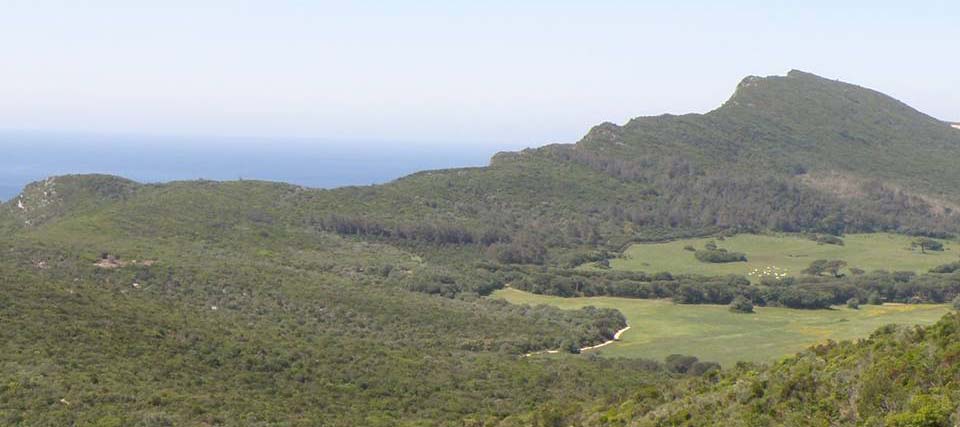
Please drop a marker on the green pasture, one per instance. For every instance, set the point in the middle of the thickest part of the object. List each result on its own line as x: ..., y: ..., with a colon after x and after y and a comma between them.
x: 711, y: 332
x: 786, y: 253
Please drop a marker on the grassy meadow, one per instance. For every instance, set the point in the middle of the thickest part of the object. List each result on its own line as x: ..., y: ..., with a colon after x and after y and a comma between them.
x: 711, y: 332
x: 787, y: 253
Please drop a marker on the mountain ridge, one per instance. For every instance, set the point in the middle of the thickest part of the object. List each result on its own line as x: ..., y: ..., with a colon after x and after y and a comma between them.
x: 757, y: 162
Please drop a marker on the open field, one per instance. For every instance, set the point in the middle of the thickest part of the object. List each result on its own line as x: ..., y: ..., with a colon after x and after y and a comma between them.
x: 711, y: 332
x: 789, y: 253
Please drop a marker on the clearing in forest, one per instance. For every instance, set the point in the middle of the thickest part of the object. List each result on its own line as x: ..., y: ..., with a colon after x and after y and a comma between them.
x: 659, y: 328
x: 785, y: 254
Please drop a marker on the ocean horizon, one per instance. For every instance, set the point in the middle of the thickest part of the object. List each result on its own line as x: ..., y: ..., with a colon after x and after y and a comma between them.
x: 33, y: 156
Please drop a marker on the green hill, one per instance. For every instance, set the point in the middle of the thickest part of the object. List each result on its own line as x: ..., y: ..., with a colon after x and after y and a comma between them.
x: 257, y: 303
x: 794, y: 153
x: 211, y: 304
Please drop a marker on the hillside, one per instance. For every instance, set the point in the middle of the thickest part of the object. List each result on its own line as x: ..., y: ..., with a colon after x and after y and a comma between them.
x: 794, y: 153
x: 210, y: 304
x: 259, y: 303
x: 898, y: 377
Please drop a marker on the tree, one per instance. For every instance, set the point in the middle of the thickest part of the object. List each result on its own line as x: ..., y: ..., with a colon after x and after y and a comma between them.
x: 570, y: 346
x: 833, y: 267
x: 679, y: 363
x: 946, y: 268
x: 524, y: 249
x: 719, y: 256
x: 820, y: 266
x: 701, y: 368
x: 741, y: 304
x: 927, y: 244
x: 816, y: 268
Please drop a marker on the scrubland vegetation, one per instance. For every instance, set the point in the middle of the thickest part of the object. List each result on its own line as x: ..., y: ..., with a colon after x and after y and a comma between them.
x: 264, y: 304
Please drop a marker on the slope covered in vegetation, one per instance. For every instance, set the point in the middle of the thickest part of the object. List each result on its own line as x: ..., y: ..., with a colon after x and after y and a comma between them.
x: 186, y: 304
x: 793, y: 153
x: 899, y: 376
x: 253, y: 303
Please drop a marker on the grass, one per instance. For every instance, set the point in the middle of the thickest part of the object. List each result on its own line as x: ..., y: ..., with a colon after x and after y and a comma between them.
x: 790, y: 253
x: 711, y: 332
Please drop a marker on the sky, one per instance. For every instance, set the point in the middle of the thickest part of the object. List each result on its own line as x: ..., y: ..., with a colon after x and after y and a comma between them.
x: 490, y: 74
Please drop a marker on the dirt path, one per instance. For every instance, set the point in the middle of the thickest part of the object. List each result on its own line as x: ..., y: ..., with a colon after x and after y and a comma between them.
x: 616, y: 337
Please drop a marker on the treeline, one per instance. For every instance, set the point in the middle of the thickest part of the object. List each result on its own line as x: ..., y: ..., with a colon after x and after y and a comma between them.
x: 805, y: 293
x: 432, y: 232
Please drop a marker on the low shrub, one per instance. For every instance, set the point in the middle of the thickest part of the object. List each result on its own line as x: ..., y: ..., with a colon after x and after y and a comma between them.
x: 719, y: 256
x: 741, y: 304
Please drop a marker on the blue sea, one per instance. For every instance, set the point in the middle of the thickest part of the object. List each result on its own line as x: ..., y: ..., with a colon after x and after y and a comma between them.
x: 30, y: 156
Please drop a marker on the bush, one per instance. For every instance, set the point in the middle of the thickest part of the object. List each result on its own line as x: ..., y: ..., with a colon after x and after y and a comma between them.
x: 689, y: 248
x: 927, y: 244
x: 663, y: 275
x: 853, y: 303
x: 820, y: 266
x: 741, y: 304
x: 956, y: 303
x: 719, y: 256
x: 701, y: 368
x: 826, y: 239
x: 679, y: 363
x: 946, y: 268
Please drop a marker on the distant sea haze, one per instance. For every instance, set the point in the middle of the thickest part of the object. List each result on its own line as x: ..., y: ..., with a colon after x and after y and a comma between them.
x: 31, y: 156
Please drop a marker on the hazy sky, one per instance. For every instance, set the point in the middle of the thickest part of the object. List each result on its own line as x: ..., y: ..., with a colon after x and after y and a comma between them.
x: 467, y: 72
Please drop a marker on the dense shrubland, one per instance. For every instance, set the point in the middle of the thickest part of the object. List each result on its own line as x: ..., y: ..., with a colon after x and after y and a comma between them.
x: 273, y: 304
x: 255, y: 334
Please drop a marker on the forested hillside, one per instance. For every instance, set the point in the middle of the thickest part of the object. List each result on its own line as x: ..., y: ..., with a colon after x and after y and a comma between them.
x: 253, y: 303
x: 794, y: 153
x: 203, y: 304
